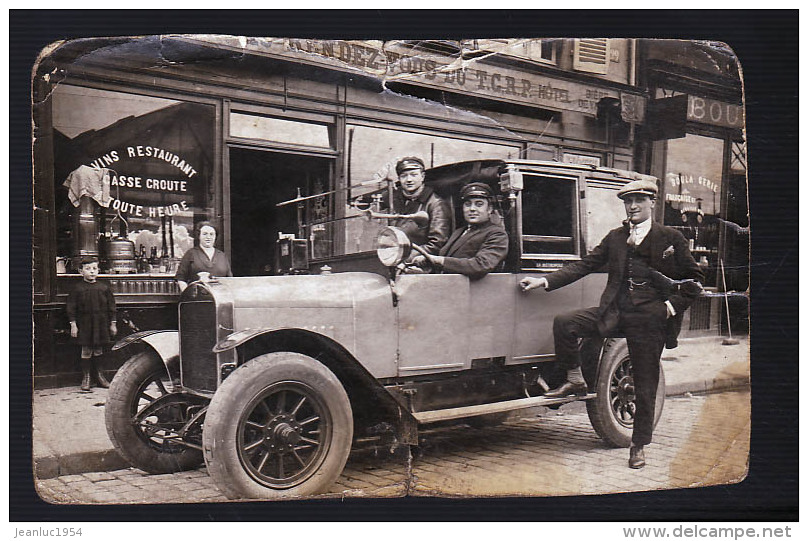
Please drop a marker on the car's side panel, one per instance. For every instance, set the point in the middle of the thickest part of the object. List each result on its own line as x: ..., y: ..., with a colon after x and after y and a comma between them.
x: 491, y: 316
x: 354, y: 309
x: 536, y: 309
x: 336, y: 323
x: 432, y: 323
x: 375, y: 321
x: 446, y: 321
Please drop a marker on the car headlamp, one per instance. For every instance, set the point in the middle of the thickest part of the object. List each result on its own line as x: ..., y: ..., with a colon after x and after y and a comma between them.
x: 392, y: 246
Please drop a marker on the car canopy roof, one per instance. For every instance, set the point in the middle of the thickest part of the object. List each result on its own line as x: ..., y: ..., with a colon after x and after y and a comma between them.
x: 447, y: 179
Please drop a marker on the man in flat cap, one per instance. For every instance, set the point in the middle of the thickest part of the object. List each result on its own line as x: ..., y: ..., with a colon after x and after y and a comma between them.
x: 478, y: 248
x: 640, y: 302
x: 415, y: 197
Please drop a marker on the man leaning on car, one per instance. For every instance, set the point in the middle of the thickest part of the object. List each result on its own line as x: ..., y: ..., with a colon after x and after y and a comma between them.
x: 641, y: 301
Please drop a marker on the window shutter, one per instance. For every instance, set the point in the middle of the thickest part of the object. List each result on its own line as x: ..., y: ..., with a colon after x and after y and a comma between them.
x: 591, y: 55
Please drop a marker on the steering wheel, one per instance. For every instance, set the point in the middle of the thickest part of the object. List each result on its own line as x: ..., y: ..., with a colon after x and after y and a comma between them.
x: 427, y: 267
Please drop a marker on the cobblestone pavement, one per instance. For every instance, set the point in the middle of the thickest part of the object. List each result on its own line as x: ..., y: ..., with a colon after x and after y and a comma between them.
x: 700, y: 440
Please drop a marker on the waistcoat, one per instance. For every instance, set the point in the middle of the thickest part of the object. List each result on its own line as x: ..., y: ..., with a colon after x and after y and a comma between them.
x: 637, y: 287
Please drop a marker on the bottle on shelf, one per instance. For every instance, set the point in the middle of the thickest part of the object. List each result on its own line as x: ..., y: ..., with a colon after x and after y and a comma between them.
x: 163, y: 256
x: 153, y: 263
x: 142, y: 262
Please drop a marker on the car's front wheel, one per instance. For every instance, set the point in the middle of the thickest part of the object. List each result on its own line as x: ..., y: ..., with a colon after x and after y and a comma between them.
x: 612, y: 411
x: 279, y: 426
x: 143, y: 417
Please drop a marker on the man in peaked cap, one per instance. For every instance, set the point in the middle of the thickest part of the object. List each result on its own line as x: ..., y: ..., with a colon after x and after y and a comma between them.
x: 640, y: 302
x: 415, y: 197
x: 478, y: 248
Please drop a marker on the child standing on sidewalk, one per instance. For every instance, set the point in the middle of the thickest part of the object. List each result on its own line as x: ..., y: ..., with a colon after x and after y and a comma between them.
x: 91, y: 311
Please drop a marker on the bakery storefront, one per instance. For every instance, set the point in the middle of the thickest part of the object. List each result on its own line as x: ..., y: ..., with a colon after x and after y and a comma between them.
x: 701, y: 162
x: 136, y: 140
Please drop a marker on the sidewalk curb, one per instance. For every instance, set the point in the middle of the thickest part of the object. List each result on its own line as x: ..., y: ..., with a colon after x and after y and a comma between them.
x: 707, y: 386
x: 48, y: 467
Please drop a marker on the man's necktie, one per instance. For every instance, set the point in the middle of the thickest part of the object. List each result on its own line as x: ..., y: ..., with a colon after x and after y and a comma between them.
x: 632, y: 237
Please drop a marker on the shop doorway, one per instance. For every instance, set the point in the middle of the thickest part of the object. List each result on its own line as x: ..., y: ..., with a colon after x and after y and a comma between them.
x: 259, y: 180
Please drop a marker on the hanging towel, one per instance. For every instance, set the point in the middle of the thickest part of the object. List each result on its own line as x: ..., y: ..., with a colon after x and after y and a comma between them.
x: 89, y: 181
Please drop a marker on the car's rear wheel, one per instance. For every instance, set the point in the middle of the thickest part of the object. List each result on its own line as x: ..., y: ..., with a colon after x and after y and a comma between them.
x: 612, y: 411
x: 141, y: 429
x: 279, y: 426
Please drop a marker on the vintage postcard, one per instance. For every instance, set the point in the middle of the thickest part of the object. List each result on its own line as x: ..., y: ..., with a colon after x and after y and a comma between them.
x: 271, y: 268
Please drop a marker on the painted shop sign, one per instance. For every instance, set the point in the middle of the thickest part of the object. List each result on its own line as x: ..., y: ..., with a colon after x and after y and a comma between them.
x: 677, y: 180
x: 396, y: 62
x: 131, y: 192
x: 714, y: 112
x: 689, y: 192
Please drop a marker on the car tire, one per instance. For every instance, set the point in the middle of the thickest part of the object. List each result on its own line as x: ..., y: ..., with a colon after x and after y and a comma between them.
x: 280, y: 426
x: 611, y: 412
x: 139, y: 382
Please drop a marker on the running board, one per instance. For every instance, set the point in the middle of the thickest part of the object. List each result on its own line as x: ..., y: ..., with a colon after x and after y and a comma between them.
x: 426, y: 417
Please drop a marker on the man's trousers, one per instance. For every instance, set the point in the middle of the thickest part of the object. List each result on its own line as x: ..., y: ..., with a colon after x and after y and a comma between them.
x: 644, y: 328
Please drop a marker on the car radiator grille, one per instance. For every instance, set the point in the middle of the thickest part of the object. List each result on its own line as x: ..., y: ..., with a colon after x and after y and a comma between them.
x: 198, y: 335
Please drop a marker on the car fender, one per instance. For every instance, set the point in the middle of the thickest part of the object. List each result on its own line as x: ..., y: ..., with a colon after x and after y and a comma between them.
x: 165, y: 344
x: 361, y: 385
x: 237, y: 338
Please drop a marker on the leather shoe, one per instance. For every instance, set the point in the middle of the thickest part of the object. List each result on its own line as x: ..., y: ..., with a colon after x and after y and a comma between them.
x: 568, y: 389
x: 86, y: 379
x: 636, y: 457
x: 98, y: 375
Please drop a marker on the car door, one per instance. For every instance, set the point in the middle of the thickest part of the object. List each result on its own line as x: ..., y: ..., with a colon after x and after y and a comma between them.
x: 447, y: 322
x: 550, y: 237
x: 432, y: 323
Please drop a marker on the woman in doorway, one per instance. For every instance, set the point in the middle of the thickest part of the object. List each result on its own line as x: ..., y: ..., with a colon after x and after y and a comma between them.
x: 203, y: 257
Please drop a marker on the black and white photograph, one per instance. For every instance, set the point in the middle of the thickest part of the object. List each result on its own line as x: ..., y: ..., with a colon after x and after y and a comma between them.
x: 275, y: 268
x: 403, y: 265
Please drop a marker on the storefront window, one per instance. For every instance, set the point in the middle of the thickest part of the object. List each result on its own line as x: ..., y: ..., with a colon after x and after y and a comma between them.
x: 374, y: 153
x: 692, y: 195
x: 292, y: 158
x: 373, y: 157
x: 132, y: 174
x: 373, y: 149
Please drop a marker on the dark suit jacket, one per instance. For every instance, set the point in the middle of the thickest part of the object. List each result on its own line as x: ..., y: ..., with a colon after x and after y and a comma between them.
x: 476, y: 253
x: 670, y: 255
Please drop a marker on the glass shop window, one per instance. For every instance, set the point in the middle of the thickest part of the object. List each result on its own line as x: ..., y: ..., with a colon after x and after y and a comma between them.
x: 132, y: 173
x: 374, y: 150
x: 549, y: 213
x: 372, y: 157
x: 692, y: 196
x: 262, y: 179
